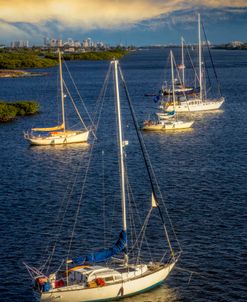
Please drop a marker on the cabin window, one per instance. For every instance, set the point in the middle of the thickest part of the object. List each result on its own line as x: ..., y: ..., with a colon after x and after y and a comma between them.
x: 108, y: 279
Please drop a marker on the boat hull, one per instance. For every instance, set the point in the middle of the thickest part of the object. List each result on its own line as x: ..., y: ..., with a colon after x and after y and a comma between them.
x: 168, y: 126
x: 197, y: 105
x: 60, y: 139
x: 109, y: 292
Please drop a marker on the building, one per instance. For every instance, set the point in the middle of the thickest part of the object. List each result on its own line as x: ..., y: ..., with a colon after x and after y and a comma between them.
x: 77, y: 44
x: 19, y: 43
x: 87, y: 43
x: 53, y: 43
x: 46, y: 41
x: 236, y: 43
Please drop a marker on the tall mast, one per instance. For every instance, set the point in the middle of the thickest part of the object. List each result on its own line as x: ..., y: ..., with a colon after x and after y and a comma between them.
x: 172, y: 74
x: 61, y: 88
x: 121, y: 151
x: 200, y: 54
x: 183, y: 67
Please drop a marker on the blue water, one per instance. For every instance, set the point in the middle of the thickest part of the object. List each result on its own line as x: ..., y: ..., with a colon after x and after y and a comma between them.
x: 202, y: 175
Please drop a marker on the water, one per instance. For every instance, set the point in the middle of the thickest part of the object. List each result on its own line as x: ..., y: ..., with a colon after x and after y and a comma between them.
x: 202, y: 174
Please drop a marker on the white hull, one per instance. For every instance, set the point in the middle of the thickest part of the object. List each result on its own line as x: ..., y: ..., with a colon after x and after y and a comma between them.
x: 118, y: 290
x: 58, y: 139
x: 193, y: 105
x: 167, y: 125
x: 164, y: 116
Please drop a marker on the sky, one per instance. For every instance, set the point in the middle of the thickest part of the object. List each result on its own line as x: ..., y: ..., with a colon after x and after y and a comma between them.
x: 127, y: 22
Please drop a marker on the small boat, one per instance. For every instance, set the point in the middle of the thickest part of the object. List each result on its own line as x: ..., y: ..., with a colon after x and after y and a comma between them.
x: 101, y: 275
x: 198, y: 101
x: 168, y: 120
x: 59, y: 134
x: 166, y: 115
x: 163, y: 125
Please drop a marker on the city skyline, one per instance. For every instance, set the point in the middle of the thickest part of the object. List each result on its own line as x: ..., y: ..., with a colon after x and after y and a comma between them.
x: 136, y: 22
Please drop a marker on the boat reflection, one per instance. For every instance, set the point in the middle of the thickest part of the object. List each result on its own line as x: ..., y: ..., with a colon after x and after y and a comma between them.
x: 160, y: 294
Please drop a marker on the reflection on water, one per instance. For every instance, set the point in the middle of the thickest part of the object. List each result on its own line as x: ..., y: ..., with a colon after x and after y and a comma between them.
x: 159, y: 294
x: 60, y: 148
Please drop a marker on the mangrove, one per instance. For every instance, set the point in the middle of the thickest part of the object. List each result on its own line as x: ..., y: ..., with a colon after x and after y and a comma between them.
x: 10, y: 110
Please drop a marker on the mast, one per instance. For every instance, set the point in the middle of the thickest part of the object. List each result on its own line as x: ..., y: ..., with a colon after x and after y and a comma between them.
x: 121, y: 151
x: 183, y: 67
x: 200, y: 54
x: 172, y: 73
x: 61, y: 88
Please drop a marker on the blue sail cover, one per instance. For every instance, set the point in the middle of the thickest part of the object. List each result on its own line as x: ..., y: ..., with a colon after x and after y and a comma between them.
x: 171, y: 113
x: 104, y: 254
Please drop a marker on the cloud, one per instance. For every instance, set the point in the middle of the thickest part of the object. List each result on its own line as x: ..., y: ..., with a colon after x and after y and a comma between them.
x: 34, y: 19
x: 8, y: 29
x: 104, y: 14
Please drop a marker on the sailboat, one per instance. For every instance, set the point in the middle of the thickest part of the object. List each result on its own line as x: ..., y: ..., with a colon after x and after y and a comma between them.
x: 168, y: 120
x: 198, y: 102
x: 101, y: 276
x: 59, y: 134
x: 180, y: 86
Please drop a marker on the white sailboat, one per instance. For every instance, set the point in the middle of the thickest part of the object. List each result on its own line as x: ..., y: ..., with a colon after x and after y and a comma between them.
x: 92, y: 278
x: 198, y: 102
x: 168, y: 120
x: 59, y: 134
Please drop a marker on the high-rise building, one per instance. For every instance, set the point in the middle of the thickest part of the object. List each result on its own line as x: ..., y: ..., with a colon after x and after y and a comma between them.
x: 60, y: 43
x: 46, y: 41
x: 19, y: 43
x: 53, y: 43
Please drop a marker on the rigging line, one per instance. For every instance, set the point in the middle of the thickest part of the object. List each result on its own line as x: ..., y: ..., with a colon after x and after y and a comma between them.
x: 84, y: 181
x: 84, y: 106
x: 149, y: 166
x: 103, y: 194
x: 132, y: 220
x: 143, y: 233
x: 211, y: 58
x: 102, y: 102
x: 102, y: 93
x: 131, y: 216
x: 80, y: 198
x: 138, y: 216
x: 67, y: 195
x: 207, y: 74
x: 78, y: 113
x: 192, y: 64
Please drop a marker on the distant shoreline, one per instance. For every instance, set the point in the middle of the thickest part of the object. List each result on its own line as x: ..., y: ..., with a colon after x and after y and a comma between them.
x: 10, y: 73
x: 23, y: 59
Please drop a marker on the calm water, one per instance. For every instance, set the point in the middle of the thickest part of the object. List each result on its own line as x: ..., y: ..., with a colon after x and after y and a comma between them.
x: 202, y: 174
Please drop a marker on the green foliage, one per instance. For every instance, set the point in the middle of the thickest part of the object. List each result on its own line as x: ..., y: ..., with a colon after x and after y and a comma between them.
x: 26, y: 107
x: 28, y: 58
x: 96, y: 56
x: 17, y: 60
x: 8, y: 111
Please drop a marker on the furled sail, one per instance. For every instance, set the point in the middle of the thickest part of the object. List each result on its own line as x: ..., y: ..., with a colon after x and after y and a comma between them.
x: 59, y: 127
x: 104, y: 254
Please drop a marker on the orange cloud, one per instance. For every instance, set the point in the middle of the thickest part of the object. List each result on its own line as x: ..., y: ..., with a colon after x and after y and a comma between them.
x: 90, y: 14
